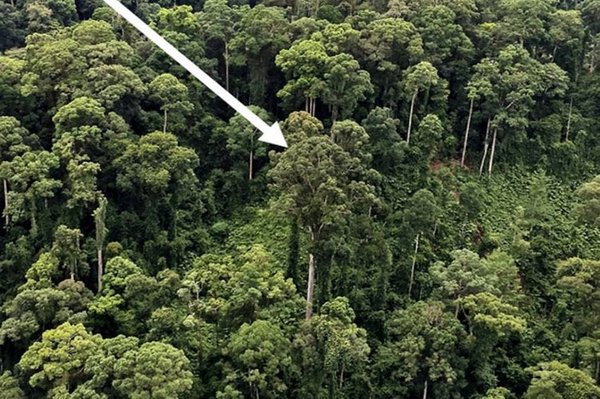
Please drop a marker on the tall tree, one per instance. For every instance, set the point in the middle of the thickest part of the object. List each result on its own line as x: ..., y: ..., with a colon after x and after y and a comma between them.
x: 319, y: 184
x: 101, y: 232
x: 171, y: 94
x: 418, y: 78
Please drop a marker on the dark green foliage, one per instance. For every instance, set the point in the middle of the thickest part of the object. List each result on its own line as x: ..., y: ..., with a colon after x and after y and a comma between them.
x: 431, y: 231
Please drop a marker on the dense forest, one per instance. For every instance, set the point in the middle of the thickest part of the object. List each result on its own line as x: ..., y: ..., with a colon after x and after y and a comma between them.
x: 432, y: 231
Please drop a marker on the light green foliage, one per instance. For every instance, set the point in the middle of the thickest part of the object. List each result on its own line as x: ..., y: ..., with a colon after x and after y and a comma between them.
x: 30, y: 181
x: 525, y: 20
x: 589, y: 206
x: 579, y: 281
x: 10, y: 79
x: 9, y: 387
x: 67, y: 248
x: 465, y: 275
x: 422, y: 345
x: 443, y: 39
x: 154, y: 163
x: 236, y: 291
x: 171, y: 94
x: 338, y: 38
x: 42, y: 273
x: 557, y: 380
x: 428, y: 136
x: 260, y: 360
x: 14, y: 139
x: 127, y: 297
x: 345, y: 85
x: 155, y: 370
x: 333, y: 351
x: 56, y: 361
x: 304, y: 63
x: 300, y: 125
x: 35, y: 309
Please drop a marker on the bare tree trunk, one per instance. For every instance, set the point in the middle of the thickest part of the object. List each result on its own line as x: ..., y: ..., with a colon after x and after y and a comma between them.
x: 100, y: 267
x: 334, y: 115
x: 569, y: 119
x: 486, y: 144
x: 311, y: 285
x: 6, y: 217
x: 491, y: 164
x: 425, y: 389
x: 306, y: 105
x: 412, y: 268
x: 250, y: 165
x: 410, y: 116
x: 464, y: 151
x: 165, y: 122
x: 226, y: 58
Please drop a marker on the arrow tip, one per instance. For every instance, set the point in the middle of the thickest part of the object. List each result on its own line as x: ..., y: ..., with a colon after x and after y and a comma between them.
x: 274, y: 136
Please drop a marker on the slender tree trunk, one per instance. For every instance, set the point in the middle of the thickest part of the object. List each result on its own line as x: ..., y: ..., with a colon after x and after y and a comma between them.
x: 100, y: 267
x: 226, y: 59
x: 306, y: 105
x: 310, y: 286
x: 33, y: 218
x: 464, y: 151
x: 425, y: 389
x: 486, y: 145
x: 250, y: 165
x: 410, y: 115
x: 334, y: 115
x: 412, y: 268
x: 491, y: 164
x: 316, y: 9
x: 165, y: 122
x: 569, y: 119
x: 6, y: 217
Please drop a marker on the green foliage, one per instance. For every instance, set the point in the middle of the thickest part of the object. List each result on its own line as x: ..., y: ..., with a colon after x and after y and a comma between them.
x: 428, y: 277
x: 557, y: 380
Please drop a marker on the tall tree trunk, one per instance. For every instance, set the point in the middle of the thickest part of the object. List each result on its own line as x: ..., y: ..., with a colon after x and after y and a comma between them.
x: 226, y: 59
x: 491, y: 164
x: 412, y: 268
x: 425, y: 389
x: 306, y: 105
x: 334, y: 115
x: 464, y: 151
x: 250, y: 159
x: 569, y: 119
x: 486, y: 145
x: 410, y: 115
x: 100, y: 267
x: 165, y: 122
x: 310, y: 286
x: 34, y: 227
x: 6, y: 217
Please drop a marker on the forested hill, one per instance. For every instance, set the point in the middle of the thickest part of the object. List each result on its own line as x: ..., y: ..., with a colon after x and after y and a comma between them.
x: 431, y: 231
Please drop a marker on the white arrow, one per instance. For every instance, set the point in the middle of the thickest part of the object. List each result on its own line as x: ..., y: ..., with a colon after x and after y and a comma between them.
x: 271, y: 134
